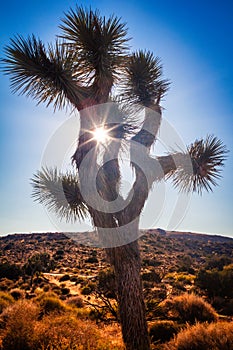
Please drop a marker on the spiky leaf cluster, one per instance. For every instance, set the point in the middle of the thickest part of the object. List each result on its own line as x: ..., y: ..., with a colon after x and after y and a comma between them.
x: 143, y: 82
x: 60, y: 193
x: 43, y: 74
x: 207, y: 158
x: 100, y: 44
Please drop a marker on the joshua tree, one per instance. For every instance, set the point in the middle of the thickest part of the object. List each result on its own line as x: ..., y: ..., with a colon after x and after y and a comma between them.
x: 88, y: 67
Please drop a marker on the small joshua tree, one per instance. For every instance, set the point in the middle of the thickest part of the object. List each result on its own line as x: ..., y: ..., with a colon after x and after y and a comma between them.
x: 91, y: 68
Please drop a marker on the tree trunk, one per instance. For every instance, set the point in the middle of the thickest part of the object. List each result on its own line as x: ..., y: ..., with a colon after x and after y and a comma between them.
x: 127, y: 265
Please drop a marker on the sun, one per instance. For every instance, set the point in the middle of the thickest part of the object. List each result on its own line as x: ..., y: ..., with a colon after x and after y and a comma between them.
x: 100, y: 134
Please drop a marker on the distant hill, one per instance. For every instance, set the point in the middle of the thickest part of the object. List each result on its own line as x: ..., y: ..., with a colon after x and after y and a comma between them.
x: 161, y: 232
x: 166, y: 247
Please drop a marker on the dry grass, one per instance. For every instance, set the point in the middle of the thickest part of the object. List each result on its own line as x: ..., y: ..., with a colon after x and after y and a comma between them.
x: 19, y: 320
x: 189, y: 308
x: 24, y: 329
x: 214, y: 336
x: 5, y: 300
x: 68, y: 332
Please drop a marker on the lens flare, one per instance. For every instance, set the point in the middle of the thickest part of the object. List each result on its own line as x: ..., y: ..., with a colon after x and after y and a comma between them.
x: 100, y: 134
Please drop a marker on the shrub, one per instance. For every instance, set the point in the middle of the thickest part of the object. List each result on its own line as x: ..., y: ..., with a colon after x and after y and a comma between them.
x: 75, y: 301
x: 17, y: 293
x: 151, y: 276
x: 162, y: 331
x: 65, y: 291
x: 216, y: 283
x: 5, y: 300
x: 189, y: 308
x: 67, y: 332
x: 218, y: 262
x: 39, y: 262
x: 6, y: 284
x: 49, y: 302
x: 215, y: 336
x: 19, y: 325
x: 106, y: 283
x: 92, y: 260
x: 86, y: 290
x: 64, y: 278
x: 10, y: 271
x: 74, y: 279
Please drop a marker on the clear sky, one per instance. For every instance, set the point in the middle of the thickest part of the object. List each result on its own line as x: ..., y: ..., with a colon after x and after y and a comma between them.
x: 194, y: 41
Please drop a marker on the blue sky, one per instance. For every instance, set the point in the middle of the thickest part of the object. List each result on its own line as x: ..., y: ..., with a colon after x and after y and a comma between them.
x: 194, y: 41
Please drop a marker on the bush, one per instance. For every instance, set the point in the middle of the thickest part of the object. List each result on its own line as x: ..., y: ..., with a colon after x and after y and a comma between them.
x: 19, y: 325
x: 69, y: 333
x: 92, y: 260
x: 6, y: 284
x: 218, y: 262
x: 216, y: 283
x: 49, y: 302
x: 39, y: 262
x: 64, y: 278
x: 86, y: 290
x: 5, y: 300
x: 189, y: 308
x: 151, y: 276
x: 24, y: 331
x: 107, y: 283
x: 65, y: 291
x: 216, y: 336
x: 10, y: 271
x: 162, y: 331
x: 75, y: 301
x: 17, y: 293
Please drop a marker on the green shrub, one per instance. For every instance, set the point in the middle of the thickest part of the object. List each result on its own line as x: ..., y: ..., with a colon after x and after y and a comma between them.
x: 189, y: 308
x: 162, y: 331
x: 215, y: 336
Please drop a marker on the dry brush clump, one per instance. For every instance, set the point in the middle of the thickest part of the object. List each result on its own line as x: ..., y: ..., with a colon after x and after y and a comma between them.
x: 163, y: 330
x: 49, y: 302
x: 18, y: 321
x: 214, y: 336
x: 189, y: 308
x: 69, y: 333
x: 24, y: 327
x: 5, y: 300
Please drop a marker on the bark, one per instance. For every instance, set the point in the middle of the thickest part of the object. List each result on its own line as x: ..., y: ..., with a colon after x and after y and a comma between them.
x: 126, y: 262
